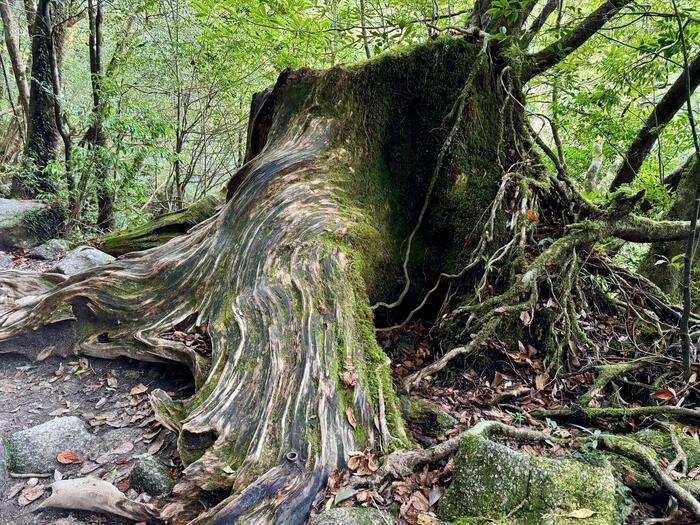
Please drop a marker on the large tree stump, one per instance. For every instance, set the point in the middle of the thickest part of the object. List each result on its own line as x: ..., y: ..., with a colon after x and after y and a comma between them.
x: 282, y: 276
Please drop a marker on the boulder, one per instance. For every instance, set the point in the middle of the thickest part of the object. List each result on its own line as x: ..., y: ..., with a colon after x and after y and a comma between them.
x: 80, y: 259
x: 352, y: 516
x: 51, y: 249
x: 151, y: 476
x: 28, y: 223
x: 35, y: 449
x: 494, y: 482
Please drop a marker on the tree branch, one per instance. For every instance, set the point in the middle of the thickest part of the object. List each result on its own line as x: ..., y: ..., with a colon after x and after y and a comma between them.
x: 539, y: 62
x: 538, y: 22
x: 664, y: 111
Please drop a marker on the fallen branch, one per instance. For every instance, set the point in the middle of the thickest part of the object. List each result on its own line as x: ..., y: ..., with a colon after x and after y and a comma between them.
x: 592, y: 413
x: 96, y: 495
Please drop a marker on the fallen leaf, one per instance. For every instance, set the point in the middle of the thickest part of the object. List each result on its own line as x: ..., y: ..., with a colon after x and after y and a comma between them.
x: 426, y: 519
x: 665, y: 394
x: 67, y: 457
x: 351, y: 417
x: 525, y: 318
x: 531, y: 215
x: 344, y: 494
x: 541, y: 381
x: 580, y: 514
x: 31, y: 494
x: 138, y: 389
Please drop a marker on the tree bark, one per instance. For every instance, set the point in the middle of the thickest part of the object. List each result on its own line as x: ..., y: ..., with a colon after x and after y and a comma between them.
x: 18, y: 66
x: 105, y: 199
x: 42, y: 135
x: 662, y: 114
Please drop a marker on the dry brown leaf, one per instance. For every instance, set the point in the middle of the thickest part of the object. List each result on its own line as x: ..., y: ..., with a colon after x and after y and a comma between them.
x: 138, y: 389
x: 525, y: 318
x: 30, y: 494
x: 580, y: 514
x: 665, y: 394
x: 541, y: 381
x: 351, y: 417
x: 67, y: 457
x: 497, y: 379
x: 179, y: 335
x: 426, y: 519
x: 419, y: 502
x: 531, y: 215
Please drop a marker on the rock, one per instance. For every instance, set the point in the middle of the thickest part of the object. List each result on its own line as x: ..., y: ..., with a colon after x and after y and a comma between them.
x: 5, y: 261
x: 28, y: 223
x: 3, y: 463
x: 35, y: 449
x: 49, y: 250
x: 493, y: 481
x: 151, y: 476
x: 431, y: 419
x: 352, y: 516
x: 80, y: 259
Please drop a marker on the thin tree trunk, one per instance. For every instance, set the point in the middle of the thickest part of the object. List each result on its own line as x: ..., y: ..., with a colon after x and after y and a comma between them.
x: 18, y: 66
x: 61, y: 127
x: 105, y: 198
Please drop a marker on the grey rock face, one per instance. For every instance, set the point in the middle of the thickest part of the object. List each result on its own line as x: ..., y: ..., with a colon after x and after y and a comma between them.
x: 352, y: 516
x: 151, y: 476
x: 27, y: 223
x: 49, y: 250
x: 5, y: 261
x: 34, y: 450
x: 80, y: 259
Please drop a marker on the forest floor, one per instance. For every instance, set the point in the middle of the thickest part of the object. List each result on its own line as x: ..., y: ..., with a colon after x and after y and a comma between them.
x: 111, y: 398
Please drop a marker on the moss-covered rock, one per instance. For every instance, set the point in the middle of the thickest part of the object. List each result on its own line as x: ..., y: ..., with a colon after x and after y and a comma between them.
x: 425, y: 414
x: 493, y: 481
x: 28, y: 223
x: 151, y: 476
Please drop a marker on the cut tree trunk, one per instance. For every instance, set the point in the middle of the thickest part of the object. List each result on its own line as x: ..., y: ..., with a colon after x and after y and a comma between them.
x: 281, y: 277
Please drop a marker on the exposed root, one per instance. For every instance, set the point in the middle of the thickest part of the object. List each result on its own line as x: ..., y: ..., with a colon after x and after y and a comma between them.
x: 588, y: 413
x: 642, y: 455
x: 402, y: 463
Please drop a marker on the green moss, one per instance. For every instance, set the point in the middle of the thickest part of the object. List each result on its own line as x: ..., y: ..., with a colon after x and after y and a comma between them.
x: 421, y: 412
x: 46, y: 223
x: 161, y: 229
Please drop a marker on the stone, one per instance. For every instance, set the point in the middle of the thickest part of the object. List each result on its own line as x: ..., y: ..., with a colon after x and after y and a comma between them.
x: 51, y: 249
x: 81, y: 259
x: 28, y: 223
x: 431, y: 418
x: 492, y: 481
x: 3, y: 464
x: 151, y: 476
x: 352, y: 516
x: 35, y: 449
x: 5, y: 261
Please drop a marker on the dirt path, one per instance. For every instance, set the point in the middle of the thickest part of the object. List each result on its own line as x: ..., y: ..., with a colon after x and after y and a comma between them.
x: 110, y: 396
